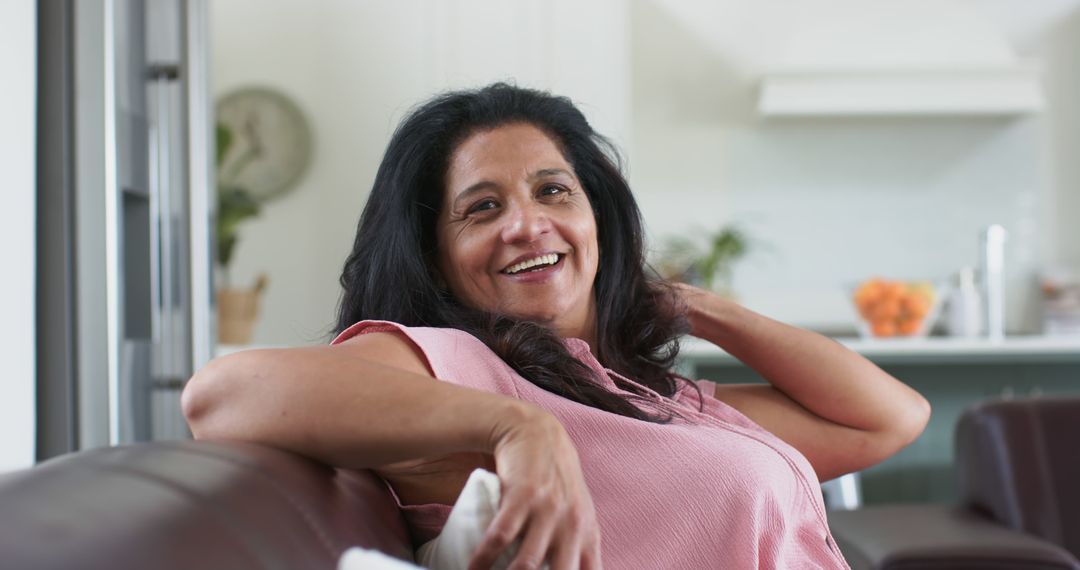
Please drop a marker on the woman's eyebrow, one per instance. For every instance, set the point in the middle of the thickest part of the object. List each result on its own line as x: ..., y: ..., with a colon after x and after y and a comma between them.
x: 473, y: 189
x: 548, y: 172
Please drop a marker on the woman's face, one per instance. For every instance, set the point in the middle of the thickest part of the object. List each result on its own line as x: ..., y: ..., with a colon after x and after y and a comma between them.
x: 516, y: 232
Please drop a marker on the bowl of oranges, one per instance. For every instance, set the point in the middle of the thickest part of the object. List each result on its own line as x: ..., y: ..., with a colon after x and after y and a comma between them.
x: 896, y: 309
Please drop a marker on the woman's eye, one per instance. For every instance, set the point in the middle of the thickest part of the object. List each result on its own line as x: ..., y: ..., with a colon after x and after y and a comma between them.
x: 552, y: 190
x: 483, y: 205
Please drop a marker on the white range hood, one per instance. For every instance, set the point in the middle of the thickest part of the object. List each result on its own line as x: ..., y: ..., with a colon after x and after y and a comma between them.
x: 955, y: 91
x: 919, y: 57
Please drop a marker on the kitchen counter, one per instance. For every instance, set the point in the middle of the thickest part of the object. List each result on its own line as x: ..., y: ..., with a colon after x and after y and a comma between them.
x: 930, y: 350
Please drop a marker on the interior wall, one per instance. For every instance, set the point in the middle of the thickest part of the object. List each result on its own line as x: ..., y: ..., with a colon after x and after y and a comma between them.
x: 355, y: 68
x: 826, y: 202
x: 18, y: 25
x: 830, y: 202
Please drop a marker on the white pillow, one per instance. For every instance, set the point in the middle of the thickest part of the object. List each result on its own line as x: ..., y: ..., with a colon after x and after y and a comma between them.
x: 469, y: 519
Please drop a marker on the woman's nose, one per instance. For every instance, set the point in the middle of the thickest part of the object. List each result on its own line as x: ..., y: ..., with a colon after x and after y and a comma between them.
x: 525, y: 224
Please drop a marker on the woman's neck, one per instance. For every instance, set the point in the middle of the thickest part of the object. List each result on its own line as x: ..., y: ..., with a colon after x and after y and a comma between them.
x: 585, y: 330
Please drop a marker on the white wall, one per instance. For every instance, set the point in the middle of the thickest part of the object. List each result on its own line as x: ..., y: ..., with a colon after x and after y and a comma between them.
x: 828, y: 202
x: 835, y: 201
x: 355, y: 68
x: 18, y: 64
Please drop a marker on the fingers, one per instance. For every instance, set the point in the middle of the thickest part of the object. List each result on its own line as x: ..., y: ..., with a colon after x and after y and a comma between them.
x: 567, y: 553
x: 535, y: 546
x: 545, y: 502
x: 549, y: 534
x: 577, y: 544
x: 590, y: 558
x: 504, y: 528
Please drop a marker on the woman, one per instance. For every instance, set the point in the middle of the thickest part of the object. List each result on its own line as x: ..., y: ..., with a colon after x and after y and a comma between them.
x: 501, y: 252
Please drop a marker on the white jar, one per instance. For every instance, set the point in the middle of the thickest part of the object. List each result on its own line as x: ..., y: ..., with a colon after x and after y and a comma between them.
x: 964, y: 310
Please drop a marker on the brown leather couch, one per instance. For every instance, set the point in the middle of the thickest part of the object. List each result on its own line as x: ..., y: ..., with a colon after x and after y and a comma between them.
x: 195, y: 504
x: 230, y: 505
x: 1018, y: 466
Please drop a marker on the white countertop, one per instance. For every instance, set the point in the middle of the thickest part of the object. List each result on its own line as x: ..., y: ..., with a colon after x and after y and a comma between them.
x: 1035, y: 348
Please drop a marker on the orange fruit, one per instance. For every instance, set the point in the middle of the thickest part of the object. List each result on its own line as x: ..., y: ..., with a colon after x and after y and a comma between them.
x: 864, y: 299
x: 893, y: 307
x: 886, y: 309
x: 909, y: 326
x: 915, y: 305
x: 893, y: 289
x: 883, y: 328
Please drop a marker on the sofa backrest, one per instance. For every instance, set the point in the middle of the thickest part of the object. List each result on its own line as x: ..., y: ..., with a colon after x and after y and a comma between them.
x: 1019, y: 461
x: 192, y: 504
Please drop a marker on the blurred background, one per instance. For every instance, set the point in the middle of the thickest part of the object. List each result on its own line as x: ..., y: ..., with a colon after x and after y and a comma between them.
x: 827, y: 192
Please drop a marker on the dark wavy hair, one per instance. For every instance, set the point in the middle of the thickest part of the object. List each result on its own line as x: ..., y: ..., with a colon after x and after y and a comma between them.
x: 389, y: 276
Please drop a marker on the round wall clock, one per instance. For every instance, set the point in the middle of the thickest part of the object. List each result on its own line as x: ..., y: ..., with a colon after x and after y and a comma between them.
x: 270, y: 142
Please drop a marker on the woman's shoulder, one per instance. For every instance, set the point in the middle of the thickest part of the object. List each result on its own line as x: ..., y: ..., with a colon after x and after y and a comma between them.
x: 412, y: 333
x: 450, y: 354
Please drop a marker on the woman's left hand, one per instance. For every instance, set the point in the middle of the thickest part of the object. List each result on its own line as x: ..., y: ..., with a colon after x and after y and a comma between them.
x: 692, y: 302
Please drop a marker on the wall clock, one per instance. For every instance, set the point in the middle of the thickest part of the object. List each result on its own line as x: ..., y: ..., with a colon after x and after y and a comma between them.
x: 271, y: 142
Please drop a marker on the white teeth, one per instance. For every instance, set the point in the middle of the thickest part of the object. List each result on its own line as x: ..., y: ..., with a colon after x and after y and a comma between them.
x: 548, y: 259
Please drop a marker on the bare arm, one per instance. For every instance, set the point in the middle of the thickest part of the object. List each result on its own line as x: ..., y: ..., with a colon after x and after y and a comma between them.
x: 365, y: 403
x: 372, y: 401
x: 837, y: 408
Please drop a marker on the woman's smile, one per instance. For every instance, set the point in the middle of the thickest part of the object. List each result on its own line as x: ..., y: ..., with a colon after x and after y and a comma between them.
x: 537, y: 269
x: 517, y: 234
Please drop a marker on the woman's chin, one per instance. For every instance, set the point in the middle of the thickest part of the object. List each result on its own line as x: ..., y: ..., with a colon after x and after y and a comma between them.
x: 543, y: 317
x: 555, y: 315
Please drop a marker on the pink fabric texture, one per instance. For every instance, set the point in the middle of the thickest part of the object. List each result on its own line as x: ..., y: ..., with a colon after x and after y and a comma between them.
x: 715, y: 492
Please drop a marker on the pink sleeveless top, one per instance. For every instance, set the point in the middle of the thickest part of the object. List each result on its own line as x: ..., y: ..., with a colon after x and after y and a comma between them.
x: 716, y: 492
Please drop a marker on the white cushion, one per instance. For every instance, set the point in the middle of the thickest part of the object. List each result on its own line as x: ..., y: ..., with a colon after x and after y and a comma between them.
x: 472, y: 514
x: 453, y: 548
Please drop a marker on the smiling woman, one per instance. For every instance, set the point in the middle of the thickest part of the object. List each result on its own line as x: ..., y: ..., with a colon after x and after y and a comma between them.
x: 473, y: 183
x: 497, y: 313
x: 522, y: 240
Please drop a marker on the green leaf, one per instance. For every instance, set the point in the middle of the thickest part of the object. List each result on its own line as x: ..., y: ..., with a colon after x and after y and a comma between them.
x: 234, y: 206
x: 224, y: 139
x: 723, y: 248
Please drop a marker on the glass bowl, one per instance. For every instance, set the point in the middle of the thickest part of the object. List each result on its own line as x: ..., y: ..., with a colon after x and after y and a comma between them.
x: 889, y: 308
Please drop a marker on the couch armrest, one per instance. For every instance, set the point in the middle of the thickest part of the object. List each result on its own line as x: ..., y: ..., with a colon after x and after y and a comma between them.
x: 194, y: 504
x: 911, y: 537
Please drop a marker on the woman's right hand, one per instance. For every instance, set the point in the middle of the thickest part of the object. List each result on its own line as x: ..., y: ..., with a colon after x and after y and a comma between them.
x: 545, y: 501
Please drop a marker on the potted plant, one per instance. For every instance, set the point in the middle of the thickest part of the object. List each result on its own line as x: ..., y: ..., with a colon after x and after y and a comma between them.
x: 238, y: 308
x: 711, y: 266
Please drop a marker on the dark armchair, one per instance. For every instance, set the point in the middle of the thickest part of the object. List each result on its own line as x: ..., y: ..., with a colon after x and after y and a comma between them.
x: 1018, y: 465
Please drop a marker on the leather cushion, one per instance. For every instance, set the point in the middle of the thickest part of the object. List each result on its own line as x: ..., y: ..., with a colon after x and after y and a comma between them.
x: 911, y: 537
x: 193, y: 505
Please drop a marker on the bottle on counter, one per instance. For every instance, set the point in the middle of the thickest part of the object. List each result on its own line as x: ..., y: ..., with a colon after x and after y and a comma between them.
x: 964, y: 308
x: 993, y: 280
